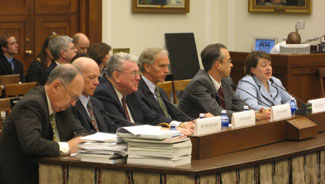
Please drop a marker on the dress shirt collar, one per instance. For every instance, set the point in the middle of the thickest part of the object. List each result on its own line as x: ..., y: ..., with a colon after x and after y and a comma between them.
x: 84, y: 100
x: 10, y: 59
x: 49, y: 105
x: 215, y: 83
x: 150, y: 85
x: 57, y: 63
x: 119, y: 95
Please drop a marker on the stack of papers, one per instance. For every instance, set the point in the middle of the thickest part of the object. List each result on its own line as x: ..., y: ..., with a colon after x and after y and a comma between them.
x: 150, y: 145
x: 102, y: 148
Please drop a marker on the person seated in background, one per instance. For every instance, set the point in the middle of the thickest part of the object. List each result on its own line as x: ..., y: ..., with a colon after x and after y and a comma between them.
x: 41, y: 63
x: 40, y: 125
x: 100, y: 53
x: 88, y: 110
x: 292, y: 38
x: 8, y: 64
x: 117, y: 91
x: 81, y: 43
x: 153, y: 63
x: 260, y: 83
x: 211, y: 89
x: 62, y: 50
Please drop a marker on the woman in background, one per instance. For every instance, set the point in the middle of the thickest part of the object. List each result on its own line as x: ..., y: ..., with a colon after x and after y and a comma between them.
x: 100, y: 53
x: 259, y: 89
x: 43, y: 60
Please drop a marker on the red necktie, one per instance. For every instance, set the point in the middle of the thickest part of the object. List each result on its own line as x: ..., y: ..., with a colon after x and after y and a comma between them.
x: 126, y: 112
x: 221, y: 98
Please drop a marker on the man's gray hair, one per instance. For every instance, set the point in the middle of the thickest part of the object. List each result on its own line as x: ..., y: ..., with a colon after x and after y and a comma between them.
x: 116, y: 61
x: 148, y: 56
x: 64, y: 73
x: 57, y: 44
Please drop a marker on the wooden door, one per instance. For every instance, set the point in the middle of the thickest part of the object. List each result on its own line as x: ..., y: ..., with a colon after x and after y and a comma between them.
x: 31, y: 21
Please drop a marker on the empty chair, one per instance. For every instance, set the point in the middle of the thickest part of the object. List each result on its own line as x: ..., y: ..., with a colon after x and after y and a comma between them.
x: 322, y: 80
x: 179, y: 86
x: 18, y: 89
x: 167, y: 86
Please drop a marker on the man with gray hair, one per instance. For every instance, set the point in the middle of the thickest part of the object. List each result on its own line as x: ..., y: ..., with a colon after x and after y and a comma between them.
x: 41, y: 124
x: 153, y: 63
x: 117, y: 91
x: 63, y: 50
x: 88, y: 110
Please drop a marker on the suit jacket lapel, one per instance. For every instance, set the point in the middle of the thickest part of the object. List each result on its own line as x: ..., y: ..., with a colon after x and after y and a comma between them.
x: 148, y: 94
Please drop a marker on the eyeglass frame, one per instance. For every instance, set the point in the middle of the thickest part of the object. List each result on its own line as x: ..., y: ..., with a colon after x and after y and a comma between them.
x: 74, y: 98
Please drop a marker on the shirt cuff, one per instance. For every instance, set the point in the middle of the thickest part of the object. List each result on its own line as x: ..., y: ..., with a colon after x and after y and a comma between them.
x: 175, y: 123
x: 64, y: 148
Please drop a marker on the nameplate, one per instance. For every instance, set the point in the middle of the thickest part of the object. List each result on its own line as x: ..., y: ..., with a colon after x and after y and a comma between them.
x: 280, y: 112
x: 244, y: 118
x: 317, y: 105
x: 207, y: 125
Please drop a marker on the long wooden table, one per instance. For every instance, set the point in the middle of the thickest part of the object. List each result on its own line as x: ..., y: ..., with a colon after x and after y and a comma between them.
x: 282, y: 162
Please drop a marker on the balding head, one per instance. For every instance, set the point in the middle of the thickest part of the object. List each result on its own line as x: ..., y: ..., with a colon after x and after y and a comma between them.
x: 293, y: 38
x: 90, y: 71
x: 81, y: 42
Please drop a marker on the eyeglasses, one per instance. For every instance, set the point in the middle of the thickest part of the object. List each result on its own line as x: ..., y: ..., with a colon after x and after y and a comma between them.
x: 73, y: 97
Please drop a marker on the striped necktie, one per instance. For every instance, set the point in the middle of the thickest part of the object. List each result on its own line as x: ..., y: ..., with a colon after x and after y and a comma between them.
x: 92, y: 116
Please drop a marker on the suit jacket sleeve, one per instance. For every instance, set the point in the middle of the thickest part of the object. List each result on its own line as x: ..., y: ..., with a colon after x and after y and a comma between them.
x: 30, y: 124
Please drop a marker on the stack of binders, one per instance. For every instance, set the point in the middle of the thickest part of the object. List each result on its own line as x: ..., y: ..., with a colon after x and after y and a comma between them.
x: 155, y: 147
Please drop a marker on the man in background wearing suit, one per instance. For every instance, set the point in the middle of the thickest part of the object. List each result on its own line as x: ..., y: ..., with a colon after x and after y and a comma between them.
x: 88, y: 110
x: 8, y: 64
x: 41, y: 124
x: 210, y: 90
x: 153, y: 63
x: 63, y: 50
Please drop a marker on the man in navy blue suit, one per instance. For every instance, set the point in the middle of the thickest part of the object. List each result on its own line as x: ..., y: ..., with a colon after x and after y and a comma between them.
x: 8, y: 64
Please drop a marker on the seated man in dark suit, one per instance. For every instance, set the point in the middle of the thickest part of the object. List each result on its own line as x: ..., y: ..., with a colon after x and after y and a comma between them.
x: 153, y: 63
x: 41, y: 124
x: 88, y: 110
x: 117, y: 91
x: 210, y: 90
x: 62, y: 50
x: 8, y: 64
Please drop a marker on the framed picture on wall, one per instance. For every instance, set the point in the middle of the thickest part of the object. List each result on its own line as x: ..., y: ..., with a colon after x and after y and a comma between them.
x: 160, y: 6
x: 280, y: 6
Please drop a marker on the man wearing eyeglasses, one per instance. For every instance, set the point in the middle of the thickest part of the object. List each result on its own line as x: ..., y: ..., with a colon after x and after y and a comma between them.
x: 41, y: 124
x: 211, y: 89
x: 117, y: 92
x: 88, y: 110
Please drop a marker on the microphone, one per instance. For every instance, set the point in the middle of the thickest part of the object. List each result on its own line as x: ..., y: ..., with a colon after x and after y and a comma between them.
x: 236, y: 87
x: 182, y: 112
x: 113, y: 116
x: 304, y: 109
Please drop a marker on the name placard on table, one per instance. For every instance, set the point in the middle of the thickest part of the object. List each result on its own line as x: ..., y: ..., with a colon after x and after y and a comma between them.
x: 280, y: 112
x: 243, y: 118
x: 318, y: 105
x: 207, y: 125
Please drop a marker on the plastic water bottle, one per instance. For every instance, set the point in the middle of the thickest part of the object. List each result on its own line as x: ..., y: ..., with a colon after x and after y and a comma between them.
x: 293, y: 106
x: 245, y: 107
x: 224, y: 120
x: 202, y: 115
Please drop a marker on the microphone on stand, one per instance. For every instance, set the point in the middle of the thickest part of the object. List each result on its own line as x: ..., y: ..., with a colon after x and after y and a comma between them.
x: 182, y: 112
x: 304, y: 109
x: 236, y: 87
